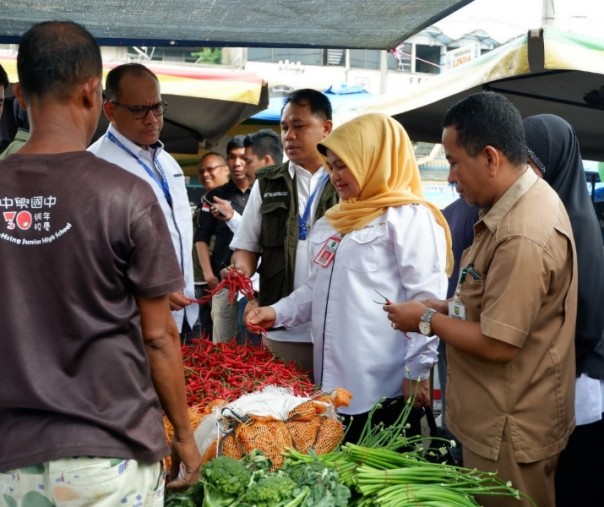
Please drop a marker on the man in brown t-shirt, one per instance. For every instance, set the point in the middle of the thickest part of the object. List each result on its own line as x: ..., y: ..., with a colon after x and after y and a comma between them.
x: 90, y: 353
x: 511, y: 366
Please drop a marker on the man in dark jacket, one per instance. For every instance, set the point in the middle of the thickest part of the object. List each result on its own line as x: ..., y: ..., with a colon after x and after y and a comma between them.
x: 285, y: 201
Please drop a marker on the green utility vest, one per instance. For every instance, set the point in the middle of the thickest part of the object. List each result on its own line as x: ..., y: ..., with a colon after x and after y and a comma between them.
x: 279, y: 230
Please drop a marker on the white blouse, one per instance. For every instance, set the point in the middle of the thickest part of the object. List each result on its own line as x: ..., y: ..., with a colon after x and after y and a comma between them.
x: 402, y: 254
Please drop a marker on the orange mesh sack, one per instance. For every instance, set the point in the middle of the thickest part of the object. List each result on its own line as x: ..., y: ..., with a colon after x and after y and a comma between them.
x: 272, y: 420
x: 196, y: 415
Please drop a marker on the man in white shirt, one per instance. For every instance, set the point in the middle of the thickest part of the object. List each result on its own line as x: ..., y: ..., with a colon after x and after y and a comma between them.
x: 285, y: 202
x: 135, y: 110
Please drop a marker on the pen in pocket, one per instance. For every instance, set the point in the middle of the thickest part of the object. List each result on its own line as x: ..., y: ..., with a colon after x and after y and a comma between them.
x: 473, y: 273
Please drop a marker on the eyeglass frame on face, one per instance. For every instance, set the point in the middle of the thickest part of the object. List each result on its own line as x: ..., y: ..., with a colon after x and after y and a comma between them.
x: 137, y: 111
x: 210, y: 170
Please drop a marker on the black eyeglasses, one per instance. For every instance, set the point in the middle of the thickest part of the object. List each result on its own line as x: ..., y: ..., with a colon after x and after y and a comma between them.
x: 140, y: 112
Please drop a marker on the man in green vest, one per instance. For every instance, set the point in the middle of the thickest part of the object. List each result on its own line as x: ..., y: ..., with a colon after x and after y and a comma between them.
x: 285, y: 202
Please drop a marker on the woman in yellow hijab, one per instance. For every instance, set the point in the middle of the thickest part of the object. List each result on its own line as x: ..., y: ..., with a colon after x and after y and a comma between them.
x: 383, y: 236
x: 379, y: 154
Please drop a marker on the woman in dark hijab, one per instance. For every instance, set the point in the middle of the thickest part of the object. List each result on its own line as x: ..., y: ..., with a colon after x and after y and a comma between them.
x: 553, y: 152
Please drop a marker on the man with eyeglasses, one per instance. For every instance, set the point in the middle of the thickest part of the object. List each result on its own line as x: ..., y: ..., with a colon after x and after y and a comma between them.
x: 135, y: 109
x: 212, y: 172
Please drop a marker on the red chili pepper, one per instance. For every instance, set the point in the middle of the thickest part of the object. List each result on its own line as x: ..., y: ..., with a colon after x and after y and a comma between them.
x: 228, y: 370
x: 236, y: 282
x: 256, y: 329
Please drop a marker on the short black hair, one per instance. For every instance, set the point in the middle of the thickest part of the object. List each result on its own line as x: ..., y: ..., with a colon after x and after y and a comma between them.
x: 3, y: 78
x: 488, y: 119
x: 114, y: 76
x: 56, y: 56
x: 234, y: 143
x: 265, y: 142
x: 318, y: 102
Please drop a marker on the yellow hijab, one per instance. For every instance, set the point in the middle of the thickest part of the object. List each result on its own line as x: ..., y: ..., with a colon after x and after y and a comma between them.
x: 379, y: 153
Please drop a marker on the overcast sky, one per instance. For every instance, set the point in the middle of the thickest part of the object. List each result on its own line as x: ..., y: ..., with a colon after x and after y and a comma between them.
x: 504, y: 19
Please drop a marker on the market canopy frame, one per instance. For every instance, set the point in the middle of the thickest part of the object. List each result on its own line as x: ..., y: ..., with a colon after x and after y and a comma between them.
x: 547, y: 70
x: 348, y: 24
x: 203, y: 103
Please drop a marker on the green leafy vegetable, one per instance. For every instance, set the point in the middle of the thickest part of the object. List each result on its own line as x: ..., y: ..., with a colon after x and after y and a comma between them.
x: 322, y: 481
x: 224, y: 482
x: 271, y: 490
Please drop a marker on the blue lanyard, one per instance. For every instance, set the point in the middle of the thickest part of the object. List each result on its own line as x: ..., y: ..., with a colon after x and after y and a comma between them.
x: 303, y: 226
x: 161, y: 180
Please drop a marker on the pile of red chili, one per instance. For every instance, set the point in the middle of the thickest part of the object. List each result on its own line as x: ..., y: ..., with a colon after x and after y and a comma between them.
x: 228, y: 370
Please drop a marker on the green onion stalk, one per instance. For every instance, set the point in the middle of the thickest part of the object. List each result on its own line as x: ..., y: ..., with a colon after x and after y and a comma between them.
x: 388, y: 469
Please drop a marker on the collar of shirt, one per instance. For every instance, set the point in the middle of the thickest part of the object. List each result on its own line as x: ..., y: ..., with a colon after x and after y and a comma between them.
x: 306, y: 182
x: 155, y: 148
x: 494, y: 215
x: 231, y: 192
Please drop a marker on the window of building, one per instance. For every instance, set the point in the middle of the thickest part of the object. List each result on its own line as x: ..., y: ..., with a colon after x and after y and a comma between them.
x: 427, y: 59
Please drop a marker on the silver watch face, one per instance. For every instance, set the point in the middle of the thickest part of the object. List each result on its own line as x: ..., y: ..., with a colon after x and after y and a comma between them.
x: 425, y: 328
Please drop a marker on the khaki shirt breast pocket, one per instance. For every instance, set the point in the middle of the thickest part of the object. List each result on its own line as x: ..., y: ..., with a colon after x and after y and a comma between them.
x: 471, y: 294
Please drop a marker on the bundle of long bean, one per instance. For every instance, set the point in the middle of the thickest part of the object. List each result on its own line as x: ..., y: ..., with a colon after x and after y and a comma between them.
x: 403, y: 484
x: 387, y: 468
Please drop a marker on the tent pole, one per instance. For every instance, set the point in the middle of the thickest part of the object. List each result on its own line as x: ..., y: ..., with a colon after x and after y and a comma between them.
x: 548, y: 13
x: 383, y: 71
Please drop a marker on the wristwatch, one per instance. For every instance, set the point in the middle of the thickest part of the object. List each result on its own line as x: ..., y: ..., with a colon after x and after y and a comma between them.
x: 425, y: 326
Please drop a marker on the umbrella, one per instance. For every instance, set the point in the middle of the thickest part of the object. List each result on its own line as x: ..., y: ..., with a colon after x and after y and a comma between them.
x: 548, y: 70
x: 203, y: 103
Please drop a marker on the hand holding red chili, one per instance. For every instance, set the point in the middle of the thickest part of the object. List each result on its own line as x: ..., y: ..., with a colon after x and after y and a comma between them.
x: 263, y: 316
x: 236, y: 283
x: 178, y: 301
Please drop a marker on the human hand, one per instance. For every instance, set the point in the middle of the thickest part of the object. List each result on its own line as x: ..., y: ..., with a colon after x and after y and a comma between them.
x: 441, y: 306
x: 212, y: 282
x: 405, y: 316
x: 222, y: 209
x: 178, y: 301
x: 251, y: 305
x: 224, y: 272
x: 263, y: 316
x: 244, y: 261
x: 421, y: 390
x: 186, y: 462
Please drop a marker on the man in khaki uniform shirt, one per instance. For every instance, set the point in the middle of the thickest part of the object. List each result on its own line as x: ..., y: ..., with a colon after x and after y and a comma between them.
x: 511, y: 365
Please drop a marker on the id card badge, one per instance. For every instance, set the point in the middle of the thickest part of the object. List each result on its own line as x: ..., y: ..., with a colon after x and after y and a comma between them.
x: 457, y: 309
x: 328, y: 251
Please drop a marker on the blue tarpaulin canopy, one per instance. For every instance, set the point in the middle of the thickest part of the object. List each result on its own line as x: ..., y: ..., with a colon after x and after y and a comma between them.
x: 344, y: 99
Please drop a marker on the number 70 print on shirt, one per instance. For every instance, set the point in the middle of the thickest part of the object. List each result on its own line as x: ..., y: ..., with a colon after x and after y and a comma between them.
x: 32, y: 214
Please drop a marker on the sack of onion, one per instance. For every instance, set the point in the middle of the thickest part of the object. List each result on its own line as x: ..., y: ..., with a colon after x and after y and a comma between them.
x: 271, y: 420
